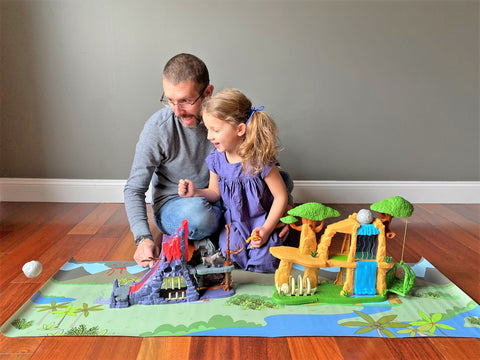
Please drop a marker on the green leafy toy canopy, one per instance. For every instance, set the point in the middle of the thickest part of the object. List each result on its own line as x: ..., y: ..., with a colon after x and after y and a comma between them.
x: 288, y: 219
x: 395, y: 206
x: 313, y: 211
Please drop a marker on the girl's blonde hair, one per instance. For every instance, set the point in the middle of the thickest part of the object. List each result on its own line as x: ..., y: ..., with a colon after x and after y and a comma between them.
x: 260, y: 145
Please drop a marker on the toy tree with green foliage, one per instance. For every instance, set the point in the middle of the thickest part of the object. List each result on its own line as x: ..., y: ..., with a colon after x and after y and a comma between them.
x: 310, y: 213
x: 395, y: 206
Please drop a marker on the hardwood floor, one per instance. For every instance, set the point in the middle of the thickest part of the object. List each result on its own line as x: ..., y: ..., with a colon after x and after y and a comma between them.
x: 447, y: 235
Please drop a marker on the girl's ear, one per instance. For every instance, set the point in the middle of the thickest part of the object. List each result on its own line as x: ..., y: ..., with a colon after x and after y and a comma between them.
x: 241, y: 129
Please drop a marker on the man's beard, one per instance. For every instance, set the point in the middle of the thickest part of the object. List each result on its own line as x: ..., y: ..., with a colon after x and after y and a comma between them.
x: 190, y: 121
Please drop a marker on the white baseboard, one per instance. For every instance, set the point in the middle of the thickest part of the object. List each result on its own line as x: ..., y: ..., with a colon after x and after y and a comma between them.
x: 61, y: 190
x: 368, y: 192
x: 333, y: 192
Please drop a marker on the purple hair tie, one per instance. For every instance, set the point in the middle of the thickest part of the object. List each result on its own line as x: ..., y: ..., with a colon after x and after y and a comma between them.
x: 260, y: 108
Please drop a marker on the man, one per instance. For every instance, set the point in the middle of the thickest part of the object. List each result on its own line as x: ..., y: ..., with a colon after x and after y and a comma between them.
x: 173, y: 146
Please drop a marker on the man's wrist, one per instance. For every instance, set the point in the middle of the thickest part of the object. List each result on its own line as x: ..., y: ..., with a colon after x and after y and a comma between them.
x: 139, y: 239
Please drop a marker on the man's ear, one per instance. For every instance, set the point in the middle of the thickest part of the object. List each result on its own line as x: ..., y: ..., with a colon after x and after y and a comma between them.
x: 208, y: 91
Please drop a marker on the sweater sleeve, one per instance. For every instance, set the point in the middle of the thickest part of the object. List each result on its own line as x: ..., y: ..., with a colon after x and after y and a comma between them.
x: 147, y: 154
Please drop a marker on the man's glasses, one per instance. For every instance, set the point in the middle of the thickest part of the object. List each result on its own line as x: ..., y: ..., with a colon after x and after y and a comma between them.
x: 167, y: 102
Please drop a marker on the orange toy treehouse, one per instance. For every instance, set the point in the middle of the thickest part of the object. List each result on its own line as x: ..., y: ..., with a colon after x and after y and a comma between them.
x: 362, y: 258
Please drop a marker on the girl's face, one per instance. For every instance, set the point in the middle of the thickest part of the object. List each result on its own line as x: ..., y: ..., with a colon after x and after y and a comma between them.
x: 224, y: 136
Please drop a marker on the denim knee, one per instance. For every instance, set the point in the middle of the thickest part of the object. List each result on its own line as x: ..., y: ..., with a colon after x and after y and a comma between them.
x: 204, y: 221
x: 204, y: 218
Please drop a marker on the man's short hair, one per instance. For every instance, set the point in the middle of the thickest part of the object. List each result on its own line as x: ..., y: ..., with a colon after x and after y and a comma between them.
x: 184, y: 67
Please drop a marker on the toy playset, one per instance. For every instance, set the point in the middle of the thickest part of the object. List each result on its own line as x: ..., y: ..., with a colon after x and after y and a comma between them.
x: 365, y: 274
x: 172, y: 279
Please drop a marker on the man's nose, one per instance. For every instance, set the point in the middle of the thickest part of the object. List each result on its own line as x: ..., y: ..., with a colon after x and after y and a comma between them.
x: 177, y: 109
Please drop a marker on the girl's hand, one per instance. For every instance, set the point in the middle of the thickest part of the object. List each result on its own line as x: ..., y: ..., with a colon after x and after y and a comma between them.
x: 261, y: 237
x: 186, y: 188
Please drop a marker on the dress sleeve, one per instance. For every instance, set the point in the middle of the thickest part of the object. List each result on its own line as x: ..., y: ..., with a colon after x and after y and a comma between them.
x: 266, y: 170
x: 212, y: 161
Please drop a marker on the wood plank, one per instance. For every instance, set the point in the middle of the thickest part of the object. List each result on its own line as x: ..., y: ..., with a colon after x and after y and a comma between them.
x: 264, y: 348
x: 449, y: 211
x: 467, y: 211
x: 126, y: 247
x: 211, y: 347
x: 96, y: 248
x: 107, y: 239
x: 353, y: 348
x: 18, y: 349
x: 95, y: 219
x: 164, y: 348
x: 314, y: 348
x: 124, y: 250
x: 115, y: 348
x: 16, y: 356
x: 14, y: 215
x: 29, y: 221
x: 65, y: 347
x: 457, y: 348
x: 413, y: 349
x: 465, y: 232
x: 116, y: 226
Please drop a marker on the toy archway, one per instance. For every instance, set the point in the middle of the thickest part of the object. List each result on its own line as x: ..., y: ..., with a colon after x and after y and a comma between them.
x: 400, y: 279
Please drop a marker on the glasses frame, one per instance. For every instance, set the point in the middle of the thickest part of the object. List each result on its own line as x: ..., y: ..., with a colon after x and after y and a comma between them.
x: 165, y: 101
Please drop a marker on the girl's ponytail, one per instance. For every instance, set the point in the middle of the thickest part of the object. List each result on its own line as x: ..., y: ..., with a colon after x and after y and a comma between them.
x: 260, y: 146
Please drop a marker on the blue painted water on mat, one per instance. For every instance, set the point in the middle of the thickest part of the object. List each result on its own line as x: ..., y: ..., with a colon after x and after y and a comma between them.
x: 37, y: 298
x: 90, y: 267
x: 97, y: 267
x: 421, y: 267
x: 328, y: 325
x: 288, y: 325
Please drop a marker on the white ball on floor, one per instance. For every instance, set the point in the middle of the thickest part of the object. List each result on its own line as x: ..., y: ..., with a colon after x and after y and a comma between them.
x: 32, y: 269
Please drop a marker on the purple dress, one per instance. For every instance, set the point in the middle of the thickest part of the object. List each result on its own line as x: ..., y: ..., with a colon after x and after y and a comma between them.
x: 246, y: 202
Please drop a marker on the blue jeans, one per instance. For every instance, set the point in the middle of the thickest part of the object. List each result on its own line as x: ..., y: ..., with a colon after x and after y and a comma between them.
x: 204, y: 218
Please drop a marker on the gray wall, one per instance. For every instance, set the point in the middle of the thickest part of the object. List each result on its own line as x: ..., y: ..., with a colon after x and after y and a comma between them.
x: 360, y: 90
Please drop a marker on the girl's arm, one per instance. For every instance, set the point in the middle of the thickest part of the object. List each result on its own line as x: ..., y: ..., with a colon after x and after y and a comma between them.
x: 277, y: 187
x: 186, y: 188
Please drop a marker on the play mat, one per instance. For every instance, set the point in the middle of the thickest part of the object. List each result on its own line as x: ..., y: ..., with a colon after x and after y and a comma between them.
x: 75, y: 302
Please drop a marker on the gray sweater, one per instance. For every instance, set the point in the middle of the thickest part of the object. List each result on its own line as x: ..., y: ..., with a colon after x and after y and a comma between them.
x: 166, y: 152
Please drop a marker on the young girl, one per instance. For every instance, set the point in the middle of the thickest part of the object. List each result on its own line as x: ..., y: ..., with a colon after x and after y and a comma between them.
x: 243, y: 174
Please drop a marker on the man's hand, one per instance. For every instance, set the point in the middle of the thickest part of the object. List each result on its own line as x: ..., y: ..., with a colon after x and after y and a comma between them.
x: 145, y: 250
x: 284, y: 232
x: 285, y: 228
